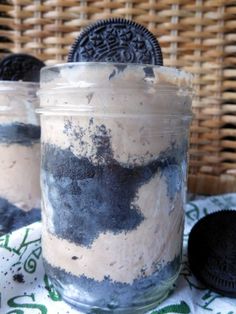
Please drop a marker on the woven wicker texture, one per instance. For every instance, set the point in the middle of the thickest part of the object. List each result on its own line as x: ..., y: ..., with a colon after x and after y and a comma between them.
x: 198, y: 36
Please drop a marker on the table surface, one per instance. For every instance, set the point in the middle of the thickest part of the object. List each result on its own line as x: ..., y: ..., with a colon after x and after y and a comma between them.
x: 25, y: 289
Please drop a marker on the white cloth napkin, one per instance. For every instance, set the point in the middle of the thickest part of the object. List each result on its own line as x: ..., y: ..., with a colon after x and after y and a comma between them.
x: 25, y: 289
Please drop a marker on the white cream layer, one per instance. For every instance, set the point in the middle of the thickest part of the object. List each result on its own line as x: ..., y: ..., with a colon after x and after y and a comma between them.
x: 20, y: 173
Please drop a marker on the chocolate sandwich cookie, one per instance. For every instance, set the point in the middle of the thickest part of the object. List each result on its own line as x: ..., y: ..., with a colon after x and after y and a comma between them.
x: 20, y: 67
x: 116, y: 40
x: 212, y: 251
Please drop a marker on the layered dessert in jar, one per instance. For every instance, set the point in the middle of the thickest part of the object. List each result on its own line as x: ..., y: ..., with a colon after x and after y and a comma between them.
x: 114, y: 163
x: 19, y: 142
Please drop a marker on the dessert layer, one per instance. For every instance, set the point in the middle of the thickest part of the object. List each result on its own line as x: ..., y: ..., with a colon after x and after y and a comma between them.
x: 111, y: 294
x: 20, y: 172
x: 13, y: 217
x: 19, y: 133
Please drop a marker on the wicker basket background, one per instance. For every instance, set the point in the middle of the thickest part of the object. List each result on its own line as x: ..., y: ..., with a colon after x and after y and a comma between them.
x: 198, y: 36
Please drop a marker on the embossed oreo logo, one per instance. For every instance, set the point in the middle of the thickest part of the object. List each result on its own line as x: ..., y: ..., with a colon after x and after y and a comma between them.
x: 116, y: 40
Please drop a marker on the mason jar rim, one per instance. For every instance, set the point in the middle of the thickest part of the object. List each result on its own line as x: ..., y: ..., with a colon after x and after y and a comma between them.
x: 172, y: 70
x: 69, y: 64
x: 57, y: 78
x: 14, y: 86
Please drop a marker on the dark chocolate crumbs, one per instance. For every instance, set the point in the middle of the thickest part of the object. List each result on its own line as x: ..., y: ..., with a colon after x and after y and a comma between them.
x: 19, y: 133
x: 13, y: 218
x: 149, y: 73
x: 89, y: 194
x: 74, y: 257
x: 120, y: 67
x: 113, y: 73
x: 19, y: 278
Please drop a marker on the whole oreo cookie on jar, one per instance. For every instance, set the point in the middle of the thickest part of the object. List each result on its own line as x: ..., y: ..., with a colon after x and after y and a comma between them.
x: 116, y: 40
x: 19, y: 141
x: 113, y: 177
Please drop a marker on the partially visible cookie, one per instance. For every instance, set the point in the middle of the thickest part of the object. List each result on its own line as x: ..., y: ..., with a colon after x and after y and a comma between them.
x: 212, y: 251
x: 116, y: 40
x: 20, y: 67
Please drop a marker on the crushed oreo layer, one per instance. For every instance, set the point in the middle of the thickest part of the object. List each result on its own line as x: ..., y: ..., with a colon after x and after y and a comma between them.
x: 111, y: 294
x: 12, y: 217
x: 19, y: 133
x: 89, y: 199
x: 19, y: 278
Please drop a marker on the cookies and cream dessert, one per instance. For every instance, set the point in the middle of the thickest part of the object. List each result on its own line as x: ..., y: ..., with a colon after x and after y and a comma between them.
x: 19, y: 141
x: 114, y: 159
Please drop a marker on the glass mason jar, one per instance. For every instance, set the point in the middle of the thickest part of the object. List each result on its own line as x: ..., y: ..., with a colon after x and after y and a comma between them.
x: 113, y: 178
x: 19, y: 148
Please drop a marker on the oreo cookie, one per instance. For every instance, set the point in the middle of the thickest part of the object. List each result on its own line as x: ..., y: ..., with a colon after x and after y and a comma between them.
x: 116, y: 40
x: 20, y: 67
x: 212, y: 251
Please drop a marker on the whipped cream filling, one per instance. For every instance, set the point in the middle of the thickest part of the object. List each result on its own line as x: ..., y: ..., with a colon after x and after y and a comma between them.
x: 20, y: 172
